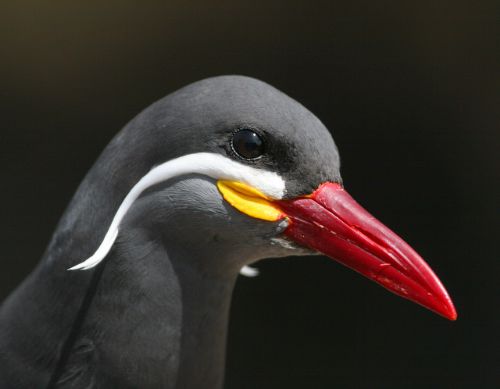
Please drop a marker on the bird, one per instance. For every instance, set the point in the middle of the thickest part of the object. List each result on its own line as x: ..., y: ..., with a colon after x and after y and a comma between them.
x: 134, y: 288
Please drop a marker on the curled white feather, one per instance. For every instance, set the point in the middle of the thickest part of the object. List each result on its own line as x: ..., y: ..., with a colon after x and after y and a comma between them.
x: 212, y: 165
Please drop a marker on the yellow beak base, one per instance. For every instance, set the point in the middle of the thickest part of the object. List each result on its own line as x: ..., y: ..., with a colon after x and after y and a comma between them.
x: 249, y: 200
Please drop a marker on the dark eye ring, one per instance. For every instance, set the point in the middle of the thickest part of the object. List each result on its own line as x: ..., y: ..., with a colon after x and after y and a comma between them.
x: 247, y: 144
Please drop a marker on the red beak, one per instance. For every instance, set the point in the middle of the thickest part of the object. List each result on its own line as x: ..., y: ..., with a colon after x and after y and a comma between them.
x: 332, y: 222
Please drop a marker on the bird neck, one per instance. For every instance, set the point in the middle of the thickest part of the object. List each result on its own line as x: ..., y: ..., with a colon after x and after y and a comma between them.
x: 173, y: 311
x: 152, y: 319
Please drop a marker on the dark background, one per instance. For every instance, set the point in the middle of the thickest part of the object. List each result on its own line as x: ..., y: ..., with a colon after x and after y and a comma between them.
x: 411, y: 92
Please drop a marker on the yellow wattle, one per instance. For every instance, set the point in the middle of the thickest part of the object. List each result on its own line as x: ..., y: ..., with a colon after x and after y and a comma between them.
x: 249, y: 200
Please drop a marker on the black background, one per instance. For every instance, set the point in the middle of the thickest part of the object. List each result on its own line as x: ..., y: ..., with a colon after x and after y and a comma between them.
x: 411, y: 92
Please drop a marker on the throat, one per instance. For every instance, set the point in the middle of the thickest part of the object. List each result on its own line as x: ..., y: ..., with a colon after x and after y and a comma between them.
x: 206, y: 302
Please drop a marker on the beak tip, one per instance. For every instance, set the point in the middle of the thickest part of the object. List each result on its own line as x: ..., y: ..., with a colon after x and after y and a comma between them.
x: 452, y: 313
x: 448, y: 310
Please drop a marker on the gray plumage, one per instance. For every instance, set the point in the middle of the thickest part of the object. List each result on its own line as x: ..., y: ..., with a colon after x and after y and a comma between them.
x: 154, y: 313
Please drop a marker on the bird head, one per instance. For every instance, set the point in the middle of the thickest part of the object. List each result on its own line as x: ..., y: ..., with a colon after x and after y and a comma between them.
x: 237, y: 168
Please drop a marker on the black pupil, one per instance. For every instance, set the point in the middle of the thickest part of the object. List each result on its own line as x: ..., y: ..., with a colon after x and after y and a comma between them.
x: 248, y: 144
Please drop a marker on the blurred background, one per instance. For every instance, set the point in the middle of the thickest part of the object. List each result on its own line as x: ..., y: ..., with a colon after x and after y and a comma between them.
x: 411, y: 93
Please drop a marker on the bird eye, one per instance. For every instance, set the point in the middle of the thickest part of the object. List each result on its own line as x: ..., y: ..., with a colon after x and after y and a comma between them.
x: 247, y: 144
